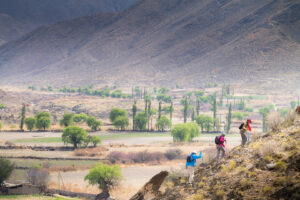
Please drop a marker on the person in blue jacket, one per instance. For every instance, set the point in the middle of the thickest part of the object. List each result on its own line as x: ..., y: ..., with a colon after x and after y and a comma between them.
x: 190, y: 164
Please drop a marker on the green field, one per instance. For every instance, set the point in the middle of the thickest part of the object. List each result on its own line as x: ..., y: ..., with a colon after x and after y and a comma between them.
x: 110, y: 137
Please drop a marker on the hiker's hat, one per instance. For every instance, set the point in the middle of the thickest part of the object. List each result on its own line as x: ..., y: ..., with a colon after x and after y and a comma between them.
x: 249, y: 120
x: 195, y: 152
x: 223, y: 133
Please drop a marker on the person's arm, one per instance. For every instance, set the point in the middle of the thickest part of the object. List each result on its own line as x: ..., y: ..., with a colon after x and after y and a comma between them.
x: 196, y: 157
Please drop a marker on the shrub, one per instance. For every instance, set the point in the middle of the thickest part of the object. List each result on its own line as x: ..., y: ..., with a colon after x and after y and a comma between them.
x: 165, y: 98
x: 267, y: 190
x: 121, y: 122
x: 38, y: 176
x: 280, y: 165
x: 163, y: 123
x: 82, y: 117
x: 279, y: 181
x: 6, y: 168
x: 0, y: 126
x: 67, y: 120
x: 274, y: 122
x: 30, y: 123
x: 185, y: 132
x: 105, y: 176
x: 141, y: 120
x: 136, y: 157
x: 172, y: 154
x: 74, y: 135
x: 117, y: 112
x: 2, y: 106
x: 96, y: 140
x: 245, y: 183
x: 43, y: 120
x: 93, y: 123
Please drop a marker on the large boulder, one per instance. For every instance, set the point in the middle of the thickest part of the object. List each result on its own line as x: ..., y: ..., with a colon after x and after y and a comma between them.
x: 151, y: 189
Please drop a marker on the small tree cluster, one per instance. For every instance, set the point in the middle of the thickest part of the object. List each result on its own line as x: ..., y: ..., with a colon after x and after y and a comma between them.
x: 6, y: 168
x: 185, y: 132
x: 205, y: 122
x: 93, y: 123
x: 105, y: 176
x: 78, y: 136
x: 141, y: 120
x: 43, y: 120
x: 163, y: 123
x: 119, y: 118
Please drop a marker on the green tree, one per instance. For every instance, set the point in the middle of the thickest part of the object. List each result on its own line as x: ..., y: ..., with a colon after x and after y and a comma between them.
x: 193, y: 115
x: 116, y: 112
x: 30, y: 123
x: 93, y: 123
x: 105, y: 176
x: 241, y: 105
x: 23, y: 113
x: 198, y: 106
x: 6, y: 169
x: 185, y: 110
x: 163, y: 123
x: 0, y: 126
x: 121, y: 122
x: 293, y: 105
x: 185, y: 132
x: 67, y: 120
x: 74, y: 135
x: 201, y: 121
x: 43, y: 120
x: 171, y: 111
x: 134, y: 111
x: 141, y: 121
x: 215, y: 112
x: 208, y: 123
x: 78, y: 118
x: 159, y: 110
x: 228, y: 119
x: 96, y: 140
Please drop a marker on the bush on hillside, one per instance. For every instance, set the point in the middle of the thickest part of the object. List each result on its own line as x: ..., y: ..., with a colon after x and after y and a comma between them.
x: 6, y: 168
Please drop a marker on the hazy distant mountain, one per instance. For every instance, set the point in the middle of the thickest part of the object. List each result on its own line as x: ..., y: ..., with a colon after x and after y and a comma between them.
x: 20, y: 16
x: 164, y: 42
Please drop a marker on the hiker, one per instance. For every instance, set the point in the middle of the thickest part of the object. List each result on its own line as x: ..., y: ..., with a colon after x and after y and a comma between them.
x: 190, y: 164
x: 245, y: 128
x: 219, y: 140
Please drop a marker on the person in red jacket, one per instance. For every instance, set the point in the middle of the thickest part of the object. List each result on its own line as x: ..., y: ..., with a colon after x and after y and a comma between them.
x: 221, y: 146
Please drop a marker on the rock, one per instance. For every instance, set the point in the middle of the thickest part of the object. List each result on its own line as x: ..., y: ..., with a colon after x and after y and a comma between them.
x: 250, y: 166
x: 103, y: 196
x: 271, y: 165
x: 151, y: 189
x: 298, y: 110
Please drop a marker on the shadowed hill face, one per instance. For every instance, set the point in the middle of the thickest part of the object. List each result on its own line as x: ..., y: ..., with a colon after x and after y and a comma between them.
x: 165, y: 42
x: 18, y: 17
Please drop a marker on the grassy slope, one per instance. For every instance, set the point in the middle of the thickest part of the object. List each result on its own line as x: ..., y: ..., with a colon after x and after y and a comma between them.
x: 244, y: 173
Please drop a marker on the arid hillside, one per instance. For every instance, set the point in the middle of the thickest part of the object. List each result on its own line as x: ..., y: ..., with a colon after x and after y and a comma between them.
x: 165, y: 42
x: 266, y: 169
x: 18, y: 17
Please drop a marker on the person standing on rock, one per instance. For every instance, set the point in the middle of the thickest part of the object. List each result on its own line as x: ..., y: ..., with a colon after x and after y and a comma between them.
x: 245, y: 128
x: 220, y: 140
x: 190, y: 164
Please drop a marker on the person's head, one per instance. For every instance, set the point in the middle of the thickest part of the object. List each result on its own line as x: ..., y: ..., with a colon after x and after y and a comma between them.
x: 249, y: 121
x: 223, y: 134
x: 194, y: 152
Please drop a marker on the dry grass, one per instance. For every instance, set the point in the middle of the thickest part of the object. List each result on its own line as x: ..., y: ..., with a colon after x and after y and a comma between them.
x: 99, y: 151
x: 274, y: 122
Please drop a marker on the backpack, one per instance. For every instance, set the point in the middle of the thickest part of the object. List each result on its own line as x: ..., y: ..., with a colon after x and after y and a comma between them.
x: 217, y: 139
x: 189, y: 158
x: 241, y: 126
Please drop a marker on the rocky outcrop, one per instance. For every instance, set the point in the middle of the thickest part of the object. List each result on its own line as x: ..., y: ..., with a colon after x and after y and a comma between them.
x: 151, y: 189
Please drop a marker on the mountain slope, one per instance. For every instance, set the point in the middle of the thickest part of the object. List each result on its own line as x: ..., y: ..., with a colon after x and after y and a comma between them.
x: 268, y: 169
x: 18, y: 17
x: 167, y: 42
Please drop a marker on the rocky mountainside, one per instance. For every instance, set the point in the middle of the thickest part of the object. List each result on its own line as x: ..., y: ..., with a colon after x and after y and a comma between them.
x: 268, y: 169
x: 18, y: 17
x: 165, y: 42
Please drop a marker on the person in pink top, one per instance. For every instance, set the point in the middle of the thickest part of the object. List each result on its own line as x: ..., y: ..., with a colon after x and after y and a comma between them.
x: 220, y: 140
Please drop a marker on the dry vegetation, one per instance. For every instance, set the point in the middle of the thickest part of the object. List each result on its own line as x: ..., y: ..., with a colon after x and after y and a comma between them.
x: 267, y: 169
